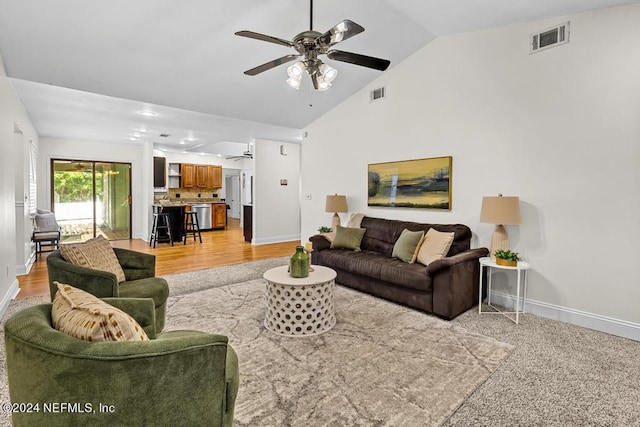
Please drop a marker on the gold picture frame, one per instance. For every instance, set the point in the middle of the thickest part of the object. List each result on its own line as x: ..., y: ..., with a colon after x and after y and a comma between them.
x: 419, y: 184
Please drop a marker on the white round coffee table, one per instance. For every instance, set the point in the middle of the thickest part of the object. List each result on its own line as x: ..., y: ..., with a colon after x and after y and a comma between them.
x: 299, y: 307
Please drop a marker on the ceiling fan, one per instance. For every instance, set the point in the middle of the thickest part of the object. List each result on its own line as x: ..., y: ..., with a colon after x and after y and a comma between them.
x: 248, y: 154
x: 311, y: 44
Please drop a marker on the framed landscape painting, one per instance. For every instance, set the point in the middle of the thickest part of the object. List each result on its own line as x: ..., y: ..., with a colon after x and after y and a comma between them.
x: 422, y: 183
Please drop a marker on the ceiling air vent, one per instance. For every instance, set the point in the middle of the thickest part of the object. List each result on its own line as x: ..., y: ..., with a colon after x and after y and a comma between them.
x: 164, y: 135
x: 377, y: 94
x: 549, y: 38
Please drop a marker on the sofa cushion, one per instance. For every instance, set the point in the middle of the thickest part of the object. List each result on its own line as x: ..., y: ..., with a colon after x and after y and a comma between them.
x: 382, y: 234
x: 95, y: 253
x: 347, y: 238
x: 86, y: 317
x: 406, y: 247
x: 377, y: 266
x: 435, y: 246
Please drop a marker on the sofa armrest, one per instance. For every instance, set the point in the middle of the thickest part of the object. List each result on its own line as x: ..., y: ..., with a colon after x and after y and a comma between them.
x: 320, y: 242
x: 455, y: 282
x: 99, y: 283
x: 447, y: 262
x: 141, y: 309
x: 136, y: 265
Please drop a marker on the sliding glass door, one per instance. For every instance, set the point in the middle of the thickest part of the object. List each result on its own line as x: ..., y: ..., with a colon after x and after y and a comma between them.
x: 91, y: 198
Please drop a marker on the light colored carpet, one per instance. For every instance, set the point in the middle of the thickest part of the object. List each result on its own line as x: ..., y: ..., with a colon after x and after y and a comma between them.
x: 382, y: 364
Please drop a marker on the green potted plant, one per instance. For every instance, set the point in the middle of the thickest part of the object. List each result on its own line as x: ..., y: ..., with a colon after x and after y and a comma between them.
x: 506, y: 257
x: 325, y: 229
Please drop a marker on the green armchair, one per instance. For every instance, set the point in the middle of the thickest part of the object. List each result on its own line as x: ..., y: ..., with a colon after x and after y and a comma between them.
x: 139, y: 269
x: 176, y: 378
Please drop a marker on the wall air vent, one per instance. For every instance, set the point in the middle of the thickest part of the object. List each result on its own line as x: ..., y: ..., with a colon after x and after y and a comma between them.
x: 378, y: 94
x: 549, y: 38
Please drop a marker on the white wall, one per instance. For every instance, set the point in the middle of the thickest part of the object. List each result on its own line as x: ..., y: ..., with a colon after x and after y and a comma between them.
x: 559, y: 128
x: 139, y: 155
x: 16, y: 130
x: 276, y: 207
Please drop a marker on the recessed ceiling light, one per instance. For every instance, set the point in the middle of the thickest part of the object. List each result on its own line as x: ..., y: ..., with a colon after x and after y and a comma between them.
x: 147, y: 113
x: 143, y: 129
x: 133, y: 138
x: 136, y: 135
x: 182, y: 142
x: 219, y: 155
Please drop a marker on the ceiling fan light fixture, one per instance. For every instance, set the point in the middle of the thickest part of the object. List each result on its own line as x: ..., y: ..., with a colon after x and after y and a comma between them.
x: 294, y: 82
x: 328, y: 73
x: 296, y: 70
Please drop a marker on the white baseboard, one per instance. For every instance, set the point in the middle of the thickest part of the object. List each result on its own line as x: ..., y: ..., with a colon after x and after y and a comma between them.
x: 13, y: 291
x: 25, y: 269
x: 597, y: 322
x: 276, y: 239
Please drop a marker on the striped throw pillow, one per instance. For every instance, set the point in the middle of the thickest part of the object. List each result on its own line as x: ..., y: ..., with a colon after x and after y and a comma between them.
x: 88, y: 318
x: 95, y: 253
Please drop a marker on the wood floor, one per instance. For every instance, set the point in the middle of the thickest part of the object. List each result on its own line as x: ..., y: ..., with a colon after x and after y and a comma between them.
x: 219, y: 247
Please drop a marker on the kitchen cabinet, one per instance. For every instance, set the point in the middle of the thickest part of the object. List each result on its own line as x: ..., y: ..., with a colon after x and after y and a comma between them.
x: 159, y: 172
x: 191, y: 175
x: 174, y: 175
x: 247, y: 220
x: 201, y: 176
x: 216, y: 179
x: 188, y: 175
x: 219, y: 215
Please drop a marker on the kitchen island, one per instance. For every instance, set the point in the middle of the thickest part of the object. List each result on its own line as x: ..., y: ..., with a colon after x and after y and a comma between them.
x: 176, y: 217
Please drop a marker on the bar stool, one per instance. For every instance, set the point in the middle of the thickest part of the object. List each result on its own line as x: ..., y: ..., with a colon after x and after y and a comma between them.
x: 161, y: 228
x: 191, y: 226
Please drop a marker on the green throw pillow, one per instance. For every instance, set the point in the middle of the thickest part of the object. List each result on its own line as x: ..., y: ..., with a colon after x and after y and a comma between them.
x: 347, y: 238
x: 406, y: 247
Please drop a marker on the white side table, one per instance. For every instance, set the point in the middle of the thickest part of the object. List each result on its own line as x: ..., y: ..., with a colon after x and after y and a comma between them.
x: 298, y: 307
x: 521, y: 270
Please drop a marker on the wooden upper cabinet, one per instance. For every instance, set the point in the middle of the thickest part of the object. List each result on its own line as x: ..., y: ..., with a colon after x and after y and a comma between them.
x: 188, y: 175
x: 201, y: 176
x: 210, y: 176
x: 216, y: 180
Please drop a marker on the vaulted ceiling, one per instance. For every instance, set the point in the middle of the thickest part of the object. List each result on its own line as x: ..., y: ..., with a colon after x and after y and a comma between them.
x: 87, y: 69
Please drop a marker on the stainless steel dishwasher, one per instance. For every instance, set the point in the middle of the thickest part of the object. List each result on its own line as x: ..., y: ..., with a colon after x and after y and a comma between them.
x: 204, y: 215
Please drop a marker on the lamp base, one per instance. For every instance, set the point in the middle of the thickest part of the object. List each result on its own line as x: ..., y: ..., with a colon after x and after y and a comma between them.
x: 335, y: 222
x: 499, y: 240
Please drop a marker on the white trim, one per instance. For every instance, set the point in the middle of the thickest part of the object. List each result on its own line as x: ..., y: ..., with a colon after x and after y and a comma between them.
x: 13, y: 291
x: 277, y: 239
x: 609, y: 325
x: 25, y: 269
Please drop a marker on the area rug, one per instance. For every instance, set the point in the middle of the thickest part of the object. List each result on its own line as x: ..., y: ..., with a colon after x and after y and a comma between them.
x: 382, y: 364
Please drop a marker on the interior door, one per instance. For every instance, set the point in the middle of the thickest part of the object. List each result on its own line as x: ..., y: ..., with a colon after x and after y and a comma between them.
x: 233, y: 194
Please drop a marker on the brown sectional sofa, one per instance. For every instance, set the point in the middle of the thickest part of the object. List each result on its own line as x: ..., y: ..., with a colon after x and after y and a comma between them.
x: 446, y: 287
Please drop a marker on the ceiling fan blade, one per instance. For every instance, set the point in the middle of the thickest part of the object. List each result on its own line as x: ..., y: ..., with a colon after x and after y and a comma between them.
x: 339, y: 32
x: 357, y: 59
x: 271, y: 64
x: 264, y: 38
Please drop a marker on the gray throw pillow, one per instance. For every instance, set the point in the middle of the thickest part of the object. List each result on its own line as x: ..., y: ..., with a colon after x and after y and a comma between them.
x: 406, y: 247
x: 347, y: 238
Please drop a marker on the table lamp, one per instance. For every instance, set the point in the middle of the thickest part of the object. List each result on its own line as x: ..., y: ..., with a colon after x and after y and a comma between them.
x: 501, y: 211
x: 335, y: 204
